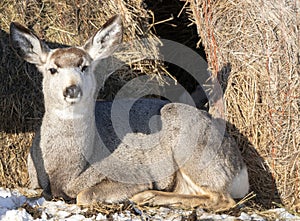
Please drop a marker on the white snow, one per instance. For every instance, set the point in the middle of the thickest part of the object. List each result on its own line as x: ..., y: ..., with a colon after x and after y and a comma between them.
x: 12, y: 201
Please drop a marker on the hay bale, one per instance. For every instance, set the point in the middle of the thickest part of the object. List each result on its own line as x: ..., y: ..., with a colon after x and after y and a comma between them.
x: 62, y: 23
x: 260, y: 41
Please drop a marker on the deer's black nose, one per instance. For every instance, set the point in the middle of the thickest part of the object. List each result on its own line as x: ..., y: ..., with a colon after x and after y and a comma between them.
x: 72, y: 91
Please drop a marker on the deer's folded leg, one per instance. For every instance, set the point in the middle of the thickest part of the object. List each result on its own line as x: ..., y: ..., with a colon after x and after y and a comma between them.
x: 209, y: 200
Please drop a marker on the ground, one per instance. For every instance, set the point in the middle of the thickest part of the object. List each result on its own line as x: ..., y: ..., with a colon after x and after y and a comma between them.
x: 16, y: 206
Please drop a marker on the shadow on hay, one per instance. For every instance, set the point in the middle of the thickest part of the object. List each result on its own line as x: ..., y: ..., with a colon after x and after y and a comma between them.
x: 20, y: 113
x: 261, y: 179
x: 20, y: 91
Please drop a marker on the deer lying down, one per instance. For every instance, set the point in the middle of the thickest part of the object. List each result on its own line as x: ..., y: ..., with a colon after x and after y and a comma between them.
x: 182, y: 164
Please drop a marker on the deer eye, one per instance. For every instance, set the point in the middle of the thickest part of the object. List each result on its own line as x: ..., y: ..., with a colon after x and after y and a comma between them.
x: 84, y: 68
x: 53, y: 70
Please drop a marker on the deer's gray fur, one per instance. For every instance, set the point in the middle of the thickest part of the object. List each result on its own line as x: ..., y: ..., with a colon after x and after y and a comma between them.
x: 76, y: 153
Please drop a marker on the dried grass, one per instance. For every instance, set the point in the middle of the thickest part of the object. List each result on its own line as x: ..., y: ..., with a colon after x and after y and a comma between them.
x: 62, y: 23
x: 260, y: 41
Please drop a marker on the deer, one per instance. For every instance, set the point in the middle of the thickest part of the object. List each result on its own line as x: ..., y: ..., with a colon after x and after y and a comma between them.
x: 186, y: 163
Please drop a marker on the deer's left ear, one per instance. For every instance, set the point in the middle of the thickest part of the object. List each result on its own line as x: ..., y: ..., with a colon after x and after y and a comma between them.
x: 27, y: 45
x: 106, y: 40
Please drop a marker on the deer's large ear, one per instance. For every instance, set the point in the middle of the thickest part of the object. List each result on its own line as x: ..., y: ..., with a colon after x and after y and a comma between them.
x: 27, y: 44
x: 106, y: 40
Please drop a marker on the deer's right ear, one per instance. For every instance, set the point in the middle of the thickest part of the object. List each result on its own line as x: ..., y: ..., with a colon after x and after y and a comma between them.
x: 27, y: 44
x: 106, y: 40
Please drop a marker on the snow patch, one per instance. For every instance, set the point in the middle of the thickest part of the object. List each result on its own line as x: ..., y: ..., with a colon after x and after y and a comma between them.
x: 12, y: 202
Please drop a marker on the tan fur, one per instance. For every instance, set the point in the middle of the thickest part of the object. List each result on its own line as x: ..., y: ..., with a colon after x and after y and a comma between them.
x: 76, y: 153
x: 69, y: 57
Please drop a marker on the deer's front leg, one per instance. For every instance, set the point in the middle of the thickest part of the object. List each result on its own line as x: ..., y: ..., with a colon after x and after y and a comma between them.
x: 89, y: 178
x: 110, y: 192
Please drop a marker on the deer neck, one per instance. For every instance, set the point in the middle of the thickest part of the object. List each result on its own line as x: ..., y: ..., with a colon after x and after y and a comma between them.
x: 75, y: 137
x: 72, y: 120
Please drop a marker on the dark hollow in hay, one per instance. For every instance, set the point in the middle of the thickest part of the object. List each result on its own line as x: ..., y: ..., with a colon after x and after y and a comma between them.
x: 176, y: 27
